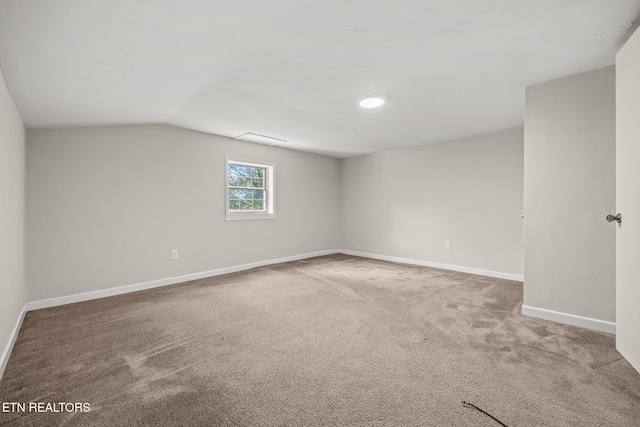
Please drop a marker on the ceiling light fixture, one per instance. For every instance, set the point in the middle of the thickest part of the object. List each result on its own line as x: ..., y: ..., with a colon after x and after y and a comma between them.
x: 371, y: 102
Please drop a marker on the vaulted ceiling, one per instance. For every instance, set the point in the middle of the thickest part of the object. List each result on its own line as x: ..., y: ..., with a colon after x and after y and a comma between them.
x: 296, y: 70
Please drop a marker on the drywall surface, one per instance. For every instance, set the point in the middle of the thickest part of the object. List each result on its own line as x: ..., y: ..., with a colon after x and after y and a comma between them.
x: 628, y: 200
x: 407, y: 203
x: 106, y: 205
x: 296, y: 70
x: 569, y: 189
x: 12, y: 214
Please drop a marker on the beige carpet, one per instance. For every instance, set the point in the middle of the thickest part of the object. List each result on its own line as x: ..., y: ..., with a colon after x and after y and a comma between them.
x: 331, y: 341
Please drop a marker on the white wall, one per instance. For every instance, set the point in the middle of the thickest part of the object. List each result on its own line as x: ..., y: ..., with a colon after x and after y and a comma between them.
x: 106, y: 205
x: 628, y: 200
x: 12, y: 225
x: 569, y: 189
x: 407, y: 203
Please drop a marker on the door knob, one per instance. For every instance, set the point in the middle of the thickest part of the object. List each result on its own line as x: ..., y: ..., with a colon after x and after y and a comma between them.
x: 616, y: 218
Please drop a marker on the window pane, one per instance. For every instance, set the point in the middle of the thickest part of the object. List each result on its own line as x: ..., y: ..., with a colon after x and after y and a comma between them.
x: 258, y: 194
x: 240, y: 194
x: 258, y: 205
x: 258, y: 173
x: 244, y: 170
x: 233, y: 170
x: 246, y: 205
x: 234, y: 205
x: 258, y: 183
x: 244, y: 182
x: 234, y: 181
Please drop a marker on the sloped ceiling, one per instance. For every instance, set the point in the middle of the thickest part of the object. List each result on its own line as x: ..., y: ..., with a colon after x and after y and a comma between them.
x: 296, y: 70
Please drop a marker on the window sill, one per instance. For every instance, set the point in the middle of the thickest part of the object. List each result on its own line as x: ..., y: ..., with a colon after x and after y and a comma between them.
x: 249, y: 217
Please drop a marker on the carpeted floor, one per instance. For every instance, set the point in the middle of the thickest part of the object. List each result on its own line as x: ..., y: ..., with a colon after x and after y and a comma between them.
x: 328, y: 341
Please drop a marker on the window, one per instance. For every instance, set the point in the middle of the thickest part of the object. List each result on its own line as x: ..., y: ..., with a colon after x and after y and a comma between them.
x: 250, y: 190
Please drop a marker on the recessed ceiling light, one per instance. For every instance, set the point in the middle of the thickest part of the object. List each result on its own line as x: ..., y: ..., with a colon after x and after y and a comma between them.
x: 371, y: 102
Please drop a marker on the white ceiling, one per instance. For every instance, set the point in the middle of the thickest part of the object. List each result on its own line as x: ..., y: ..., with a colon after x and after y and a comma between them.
x: 295, y: 69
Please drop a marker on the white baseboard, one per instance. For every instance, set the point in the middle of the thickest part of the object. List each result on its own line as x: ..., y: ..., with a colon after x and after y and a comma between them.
x: 85, y: 296
x: 462, y: 269
x: 570, y: 319
x: 4, y: 359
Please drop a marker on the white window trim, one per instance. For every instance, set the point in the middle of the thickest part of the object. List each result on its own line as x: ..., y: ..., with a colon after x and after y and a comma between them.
x: 271, y: 184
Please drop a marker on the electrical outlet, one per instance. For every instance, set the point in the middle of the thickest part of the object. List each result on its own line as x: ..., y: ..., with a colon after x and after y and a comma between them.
x: 447, y: 245
x: 174, y: 254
